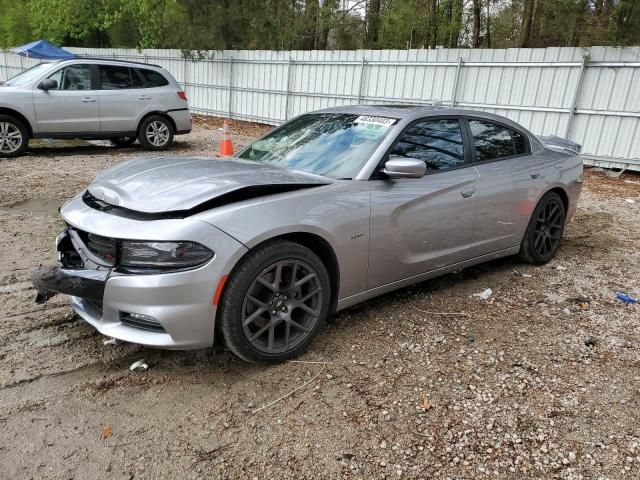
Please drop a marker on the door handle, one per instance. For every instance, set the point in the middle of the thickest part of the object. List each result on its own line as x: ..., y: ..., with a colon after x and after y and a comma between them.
x: 144, y: 97
x: 468, y: 192
x: 535, y: 174
x: 89, y: 100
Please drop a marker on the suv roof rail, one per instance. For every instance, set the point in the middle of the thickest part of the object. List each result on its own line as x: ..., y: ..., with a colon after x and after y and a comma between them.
x: 107, y: 59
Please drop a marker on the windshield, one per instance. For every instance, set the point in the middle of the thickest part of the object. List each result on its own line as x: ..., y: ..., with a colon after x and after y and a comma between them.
x: 29, y: 75
x: 330, y: 144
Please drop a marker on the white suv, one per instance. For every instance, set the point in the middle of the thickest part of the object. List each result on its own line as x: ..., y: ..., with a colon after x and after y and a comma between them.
x: 92, y: 99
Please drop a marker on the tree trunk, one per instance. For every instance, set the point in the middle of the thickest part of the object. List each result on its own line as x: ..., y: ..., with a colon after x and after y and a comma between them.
x: 488, y: 24
x: 457, y: 7
x: 477, y: 11
x: 527, y: 21
x: 373, y: 23
x: 433, y: 24
x: 311, y: 14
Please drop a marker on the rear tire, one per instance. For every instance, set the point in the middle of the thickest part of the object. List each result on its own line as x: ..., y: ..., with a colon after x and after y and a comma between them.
x: 14, y: 137
x: 155, y: 133
x: 275, y: 302
x: 123, y: 141
x: 544, y: 232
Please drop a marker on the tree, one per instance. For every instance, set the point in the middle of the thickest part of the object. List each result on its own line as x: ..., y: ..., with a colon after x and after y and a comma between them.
x: 373, y: 23
x: 477, y: 14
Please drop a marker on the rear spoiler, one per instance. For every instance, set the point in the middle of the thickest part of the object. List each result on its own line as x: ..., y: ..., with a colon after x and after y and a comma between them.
x: 558, y: 143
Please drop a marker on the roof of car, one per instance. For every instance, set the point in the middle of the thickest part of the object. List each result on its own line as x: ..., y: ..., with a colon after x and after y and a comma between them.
x: 413, y: 111
x: 115, y: 61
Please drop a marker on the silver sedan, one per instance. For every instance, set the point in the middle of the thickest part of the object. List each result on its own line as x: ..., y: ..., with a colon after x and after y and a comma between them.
x: 326, y: 211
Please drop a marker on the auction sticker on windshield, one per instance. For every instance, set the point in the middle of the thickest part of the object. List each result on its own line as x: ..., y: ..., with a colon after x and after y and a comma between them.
x: 369, y: 120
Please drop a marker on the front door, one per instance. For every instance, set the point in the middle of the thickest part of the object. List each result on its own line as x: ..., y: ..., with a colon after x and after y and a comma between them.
x: 420, y: 225
x: 70, y: 109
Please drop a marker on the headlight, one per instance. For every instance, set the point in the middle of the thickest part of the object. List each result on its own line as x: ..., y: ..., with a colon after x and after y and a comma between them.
x: 163, y: 254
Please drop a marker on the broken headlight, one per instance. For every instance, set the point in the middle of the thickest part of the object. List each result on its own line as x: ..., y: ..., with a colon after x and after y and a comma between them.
x: 163, y: 255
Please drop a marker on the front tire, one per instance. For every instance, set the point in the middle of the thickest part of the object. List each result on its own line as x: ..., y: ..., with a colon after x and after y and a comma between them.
x: 275, y: 302
x: 544, y: 232
x: 14, y: 137
x: 156, y: 133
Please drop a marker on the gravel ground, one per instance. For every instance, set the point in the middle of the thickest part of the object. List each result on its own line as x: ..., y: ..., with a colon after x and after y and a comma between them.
x: 542, y: 380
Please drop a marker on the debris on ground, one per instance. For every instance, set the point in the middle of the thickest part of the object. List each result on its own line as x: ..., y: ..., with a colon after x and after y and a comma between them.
x: 518, y: 273
x: 111, y: 341
x: 483, y: 295
x: 106, y: 432
x: 623, y: 297
x: 590, y: 342
x: 139, y: 365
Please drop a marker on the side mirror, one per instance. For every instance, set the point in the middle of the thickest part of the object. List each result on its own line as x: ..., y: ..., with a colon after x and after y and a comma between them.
x: 404, y: 167
x: 48, y: 84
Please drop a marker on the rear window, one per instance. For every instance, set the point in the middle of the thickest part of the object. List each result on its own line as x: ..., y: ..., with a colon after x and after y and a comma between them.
x: 153, y: 78
x: 117, y: 78
x: 493, y: 141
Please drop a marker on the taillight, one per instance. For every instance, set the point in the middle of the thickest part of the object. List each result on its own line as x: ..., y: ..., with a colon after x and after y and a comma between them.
x: 182, y: 95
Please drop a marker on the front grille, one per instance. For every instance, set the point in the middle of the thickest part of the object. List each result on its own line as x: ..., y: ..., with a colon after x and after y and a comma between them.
x: 141, y: 322
x: 104, y: 248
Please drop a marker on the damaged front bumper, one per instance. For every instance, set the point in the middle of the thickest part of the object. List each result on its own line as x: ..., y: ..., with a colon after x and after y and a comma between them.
x: 88, y: 284
x: 169, y: 310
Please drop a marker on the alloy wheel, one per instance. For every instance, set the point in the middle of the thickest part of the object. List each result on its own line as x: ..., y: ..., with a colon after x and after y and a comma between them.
x: 10, y: 138
x: 157, y: 133
x: 548, y: 229
x: 282, y: 306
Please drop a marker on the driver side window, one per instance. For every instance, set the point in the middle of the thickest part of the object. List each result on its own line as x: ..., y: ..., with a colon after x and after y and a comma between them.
x: 437, y: 142
x: 73, y: 77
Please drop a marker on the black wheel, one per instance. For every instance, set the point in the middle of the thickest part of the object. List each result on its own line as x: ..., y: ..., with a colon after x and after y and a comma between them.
x: 155, y: 133
x: 543, y: 235
x: 14, y: 137
x: 123, y: 141
x: 275, y: 302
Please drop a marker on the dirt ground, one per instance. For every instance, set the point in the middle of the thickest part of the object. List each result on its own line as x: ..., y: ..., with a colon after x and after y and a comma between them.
x: 542, y: 380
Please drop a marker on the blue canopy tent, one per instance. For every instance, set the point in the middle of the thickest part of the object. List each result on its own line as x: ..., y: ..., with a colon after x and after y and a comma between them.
x: 43, y: 50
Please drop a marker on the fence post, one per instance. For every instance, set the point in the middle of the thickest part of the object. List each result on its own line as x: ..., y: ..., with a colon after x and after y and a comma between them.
x: 361, y: 83
x: 286, y: 100
x: 184, y: 74
x: 576, y: 96
x: 454, y: 89
x: 230, y: 83
x: 21, y: 66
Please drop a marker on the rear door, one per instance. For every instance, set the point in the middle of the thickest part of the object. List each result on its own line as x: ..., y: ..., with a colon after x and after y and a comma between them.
x: 511, y: 180
x: 419, y: 225
x: 123, y: 99
x: 72, y: 108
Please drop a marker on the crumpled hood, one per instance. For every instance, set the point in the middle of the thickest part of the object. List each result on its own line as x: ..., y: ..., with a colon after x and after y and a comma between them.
x: 168, y: 184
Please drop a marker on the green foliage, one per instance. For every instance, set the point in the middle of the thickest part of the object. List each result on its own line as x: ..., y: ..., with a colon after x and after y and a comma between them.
x: 198, y: 25
x: 15, y: 25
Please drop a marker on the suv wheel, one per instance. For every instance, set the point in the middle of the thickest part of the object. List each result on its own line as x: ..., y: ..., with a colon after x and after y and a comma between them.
x: 275, y: 302
x: 14, y: 137
x: 156, y: 133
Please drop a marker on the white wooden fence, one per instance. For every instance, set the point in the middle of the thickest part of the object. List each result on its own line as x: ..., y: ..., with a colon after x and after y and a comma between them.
x: 591, y: 96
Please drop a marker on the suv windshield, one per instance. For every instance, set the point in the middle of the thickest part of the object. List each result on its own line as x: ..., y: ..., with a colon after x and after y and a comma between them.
x: 330, y: 144
x: 29, y: 75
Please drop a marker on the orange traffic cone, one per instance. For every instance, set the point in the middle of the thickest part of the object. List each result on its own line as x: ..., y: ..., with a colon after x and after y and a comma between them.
x: 226, y: 146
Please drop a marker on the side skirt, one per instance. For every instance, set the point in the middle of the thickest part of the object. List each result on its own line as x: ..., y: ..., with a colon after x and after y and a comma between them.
x: 84, y: 135
x: 390, y: 287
